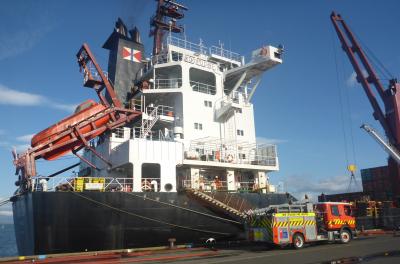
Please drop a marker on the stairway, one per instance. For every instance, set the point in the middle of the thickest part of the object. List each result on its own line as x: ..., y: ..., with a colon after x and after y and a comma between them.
x: 216, y: 204
x: 148, y: 124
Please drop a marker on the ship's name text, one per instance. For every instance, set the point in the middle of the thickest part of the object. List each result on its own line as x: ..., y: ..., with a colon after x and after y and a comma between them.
x: 200, y: 62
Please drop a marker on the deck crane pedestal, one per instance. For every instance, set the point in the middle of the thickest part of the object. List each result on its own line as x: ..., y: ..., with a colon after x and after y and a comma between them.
x: 389, y: 118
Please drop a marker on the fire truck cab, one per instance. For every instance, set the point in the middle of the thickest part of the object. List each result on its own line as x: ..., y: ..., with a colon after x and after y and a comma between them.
x: 298, y: 224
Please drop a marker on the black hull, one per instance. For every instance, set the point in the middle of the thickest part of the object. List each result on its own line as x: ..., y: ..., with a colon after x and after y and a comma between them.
x: 57, y: 222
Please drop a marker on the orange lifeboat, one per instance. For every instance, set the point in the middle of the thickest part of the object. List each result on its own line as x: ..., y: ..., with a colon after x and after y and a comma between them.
x: 83, y: 112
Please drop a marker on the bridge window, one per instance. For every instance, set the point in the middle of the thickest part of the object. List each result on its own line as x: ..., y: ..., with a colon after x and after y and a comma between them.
x: 198, y: 126
x: 207, y: 103
x: 168, y: 77
x: 176, y: 56
x: 202, y: 81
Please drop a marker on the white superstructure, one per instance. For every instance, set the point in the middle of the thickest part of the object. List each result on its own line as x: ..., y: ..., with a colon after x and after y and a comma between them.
x: 197, y: 129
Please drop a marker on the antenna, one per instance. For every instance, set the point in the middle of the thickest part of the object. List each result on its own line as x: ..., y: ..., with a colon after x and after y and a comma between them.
x: 167, y: 13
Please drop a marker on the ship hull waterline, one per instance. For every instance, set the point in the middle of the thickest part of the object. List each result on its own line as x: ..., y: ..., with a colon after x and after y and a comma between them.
x: 60, y: 222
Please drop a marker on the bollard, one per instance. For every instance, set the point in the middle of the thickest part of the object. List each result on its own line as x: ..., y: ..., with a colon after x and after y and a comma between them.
x: 172, y: 243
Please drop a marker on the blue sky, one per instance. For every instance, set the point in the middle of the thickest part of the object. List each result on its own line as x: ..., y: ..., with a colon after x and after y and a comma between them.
x: 297, y: 104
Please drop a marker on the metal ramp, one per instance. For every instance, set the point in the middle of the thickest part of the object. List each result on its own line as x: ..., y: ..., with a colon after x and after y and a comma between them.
x: 230, y: 206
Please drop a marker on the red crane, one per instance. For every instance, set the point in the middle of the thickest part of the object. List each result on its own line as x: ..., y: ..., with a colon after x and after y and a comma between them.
x: 73, y: 133
x: 389, y: 117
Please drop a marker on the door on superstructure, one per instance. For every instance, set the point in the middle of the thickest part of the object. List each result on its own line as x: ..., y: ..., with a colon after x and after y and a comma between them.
x: 151, y: 177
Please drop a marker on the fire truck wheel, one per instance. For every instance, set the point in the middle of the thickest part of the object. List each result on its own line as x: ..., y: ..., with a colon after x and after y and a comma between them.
x: 298, y: 241
x: 345, y: 236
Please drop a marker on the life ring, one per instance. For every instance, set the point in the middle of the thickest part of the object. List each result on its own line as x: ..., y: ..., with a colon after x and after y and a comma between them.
x: 229, y: 157
x: 146, y: 185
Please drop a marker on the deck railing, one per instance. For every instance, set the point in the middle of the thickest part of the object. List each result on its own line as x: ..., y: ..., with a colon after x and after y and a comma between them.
x: 78, y: 184
x: 151, y: 184
x: 182, y: 43
x: 225, y: 53
x: 200, y: 48
x: 221, y: 185
x: 264, y: 155
x: 203, y: 87
x: 167, y: 83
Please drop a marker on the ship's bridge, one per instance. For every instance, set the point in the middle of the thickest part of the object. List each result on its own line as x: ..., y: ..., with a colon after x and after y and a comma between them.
x: 174, y: 49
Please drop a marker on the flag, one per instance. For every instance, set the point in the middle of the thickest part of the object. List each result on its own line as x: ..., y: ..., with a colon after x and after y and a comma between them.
x: 131, y: 54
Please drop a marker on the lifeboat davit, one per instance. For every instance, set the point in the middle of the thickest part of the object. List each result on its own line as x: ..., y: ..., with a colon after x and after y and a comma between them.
x: 83, y: 112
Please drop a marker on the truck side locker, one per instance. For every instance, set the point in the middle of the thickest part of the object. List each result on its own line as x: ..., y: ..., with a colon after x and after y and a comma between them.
x: 310, y: 227
x: 281, y: 230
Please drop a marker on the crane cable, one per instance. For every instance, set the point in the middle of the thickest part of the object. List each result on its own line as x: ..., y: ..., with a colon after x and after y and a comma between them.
x: 342, y: 115
x: 340, y: 100
x: 7, y: 200
x: 149, y: 218
x: 4, y: 202
x: 375, y: 61
x: 183, y: 208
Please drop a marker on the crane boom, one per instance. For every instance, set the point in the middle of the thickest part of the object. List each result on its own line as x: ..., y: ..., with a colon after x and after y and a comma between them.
x: 362, y: 66
x: 389, y: 148
x: 389, y: 117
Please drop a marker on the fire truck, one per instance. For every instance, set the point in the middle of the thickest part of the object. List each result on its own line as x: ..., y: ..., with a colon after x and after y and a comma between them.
x: 297, y: 224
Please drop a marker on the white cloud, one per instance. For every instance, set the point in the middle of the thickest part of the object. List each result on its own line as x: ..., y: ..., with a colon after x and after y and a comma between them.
x: 18, y: 98
x: 263, y: 140
x: 6, y: 213
x: 2, y: 132
x: 65, y: 107
x: 352, y: 80
x: 22, y: 147
x: 22, y: 40
x: 299, y: 185
x: 14, y: 97
x: 25, y: 138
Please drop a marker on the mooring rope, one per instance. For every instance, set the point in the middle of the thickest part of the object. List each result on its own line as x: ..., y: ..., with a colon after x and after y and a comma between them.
x: 185, y: 209
x: 148, y: 218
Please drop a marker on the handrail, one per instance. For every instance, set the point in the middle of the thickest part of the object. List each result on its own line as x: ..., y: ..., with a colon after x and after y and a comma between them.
x: 182, y: 43
x: 203, y: 87
x: 172, y: 83
x: 225, y: 53
x: 106, y: 184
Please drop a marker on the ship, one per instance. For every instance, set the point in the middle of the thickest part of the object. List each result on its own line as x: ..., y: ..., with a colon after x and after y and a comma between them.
x: 169, y: 153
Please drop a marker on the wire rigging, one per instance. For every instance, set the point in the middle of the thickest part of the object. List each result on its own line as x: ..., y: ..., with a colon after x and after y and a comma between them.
x: 149, y: 218
x: 346, y: 99
x: 375, y: 61
x: 340, y: 99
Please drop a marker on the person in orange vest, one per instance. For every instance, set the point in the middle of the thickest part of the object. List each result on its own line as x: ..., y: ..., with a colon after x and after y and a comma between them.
x: 217, y: 182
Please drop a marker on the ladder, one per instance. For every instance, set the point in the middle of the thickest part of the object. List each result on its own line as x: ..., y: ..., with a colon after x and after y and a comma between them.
x: 215, y: 203
x: 148, y: 123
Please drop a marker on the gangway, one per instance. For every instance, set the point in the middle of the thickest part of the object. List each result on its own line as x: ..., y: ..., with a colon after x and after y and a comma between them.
x: 216, y: 204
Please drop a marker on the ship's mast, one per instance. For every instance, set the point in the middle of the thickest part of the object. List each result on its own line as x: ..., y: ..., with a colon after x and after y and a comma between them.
x: 168, y: 12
